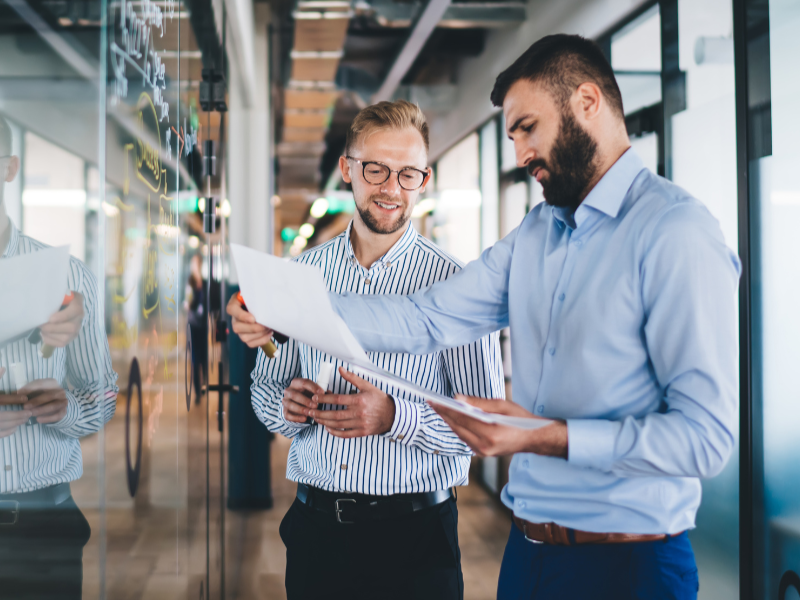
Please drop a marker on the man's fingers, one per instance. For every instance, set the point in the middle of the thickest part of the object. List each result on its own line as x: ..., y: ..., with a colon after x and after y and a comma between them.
x: 360, y: 384
x: 332, y: 415
x: 72, y: 312
x: 13, y: 419
x: 254, y: 340
x: 339, y: 399
x: 307, y: 385
x: 11, y: 399
x: 299, y: 398
x: 39, y: 385
x: 234, y: 309
x: 349, y: 421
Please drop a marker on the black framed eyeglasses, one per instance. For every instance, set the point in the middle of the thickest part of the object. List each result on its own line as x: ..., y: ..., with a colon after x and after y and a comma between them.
x: 376, y: 173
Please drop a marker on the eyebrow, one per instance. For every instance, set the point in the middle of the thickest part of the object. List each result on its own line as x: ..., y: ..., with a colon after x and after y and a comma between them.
x: 517, y: 123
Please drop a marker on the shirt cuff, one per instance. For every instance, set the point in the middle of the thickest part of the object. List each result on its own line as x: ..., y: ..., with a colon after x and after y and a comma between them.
x: 591, y: 442
x: 72, y: 416
x: 407, y: 421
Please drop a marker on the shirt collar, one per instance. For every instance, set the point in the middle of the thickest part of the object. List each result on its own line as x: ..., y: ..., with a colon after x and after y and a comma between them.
x: 607, y: 195
x: 13, y: 241
x: 392, y: 255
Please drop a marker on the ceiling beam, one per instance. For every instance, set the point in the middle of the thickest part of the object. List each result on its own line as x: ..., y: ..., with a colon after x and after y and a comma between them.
x: 423, y: 29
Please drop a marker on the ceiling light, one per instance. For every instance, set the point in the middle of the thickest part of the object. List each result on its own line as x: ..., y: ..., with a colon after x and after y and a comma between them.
x: 194, y: 241
x: 319, y: 208
x: 300, y: 242
x: 306, y: 231
x: 276, y: 201
x: 226, y: 208
x: 201, y: 204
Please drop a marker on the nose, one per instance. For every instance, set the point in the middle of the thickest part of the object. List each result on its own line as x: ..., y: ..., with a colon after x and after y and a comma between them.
x: 391, y: 187
x: 523, y: 152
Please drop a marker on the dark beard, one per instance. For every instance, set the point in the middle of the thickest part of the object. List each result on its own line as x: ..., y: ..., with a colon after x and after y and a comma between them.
x: 571, y: 167
x: 373, y: 225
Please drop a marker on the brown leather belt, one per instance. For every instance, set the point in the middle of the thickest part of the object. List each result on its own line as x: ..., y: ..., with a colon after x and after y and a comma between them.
x: 556, y: 535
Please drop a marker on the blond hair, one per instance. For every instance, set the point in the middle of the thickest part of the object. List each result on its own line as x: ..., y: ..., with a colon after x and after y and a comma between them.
x: 400, y: 114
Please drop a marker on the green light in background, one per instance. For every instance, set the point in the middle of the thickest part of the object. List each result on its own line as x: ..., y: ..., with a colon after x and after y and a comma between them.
x: 288, y: 234
x: 187, y: 203
x: 339, y: 205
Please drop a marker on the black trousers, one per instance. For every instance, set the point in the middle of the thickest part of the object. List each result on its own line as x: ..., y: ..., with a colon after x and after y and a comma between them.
x: 41, y: 556
x: 411, y: 557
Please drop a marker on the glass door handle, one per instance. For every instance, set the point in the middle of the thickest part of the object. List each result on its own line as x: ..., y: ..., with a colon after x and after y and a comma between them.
x: 134, y: 379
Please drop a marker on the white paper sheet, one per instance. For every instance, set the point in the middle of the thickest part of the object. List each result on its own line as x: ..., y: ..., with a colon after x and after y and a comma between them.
x: 291, y: 298
x: 32, y: 287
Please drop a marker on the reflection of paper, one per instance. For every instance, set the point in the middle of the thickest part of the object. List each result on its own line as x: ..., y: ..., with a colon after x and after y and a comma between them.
x: 292, y: 298
x: 33, y: 287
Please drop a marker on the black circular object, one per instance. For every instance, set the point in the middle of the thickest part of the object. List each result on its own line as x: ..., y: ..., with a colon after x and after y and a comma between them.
x: 188, y: 368
x: 789, y: 579
x: 134, y: 378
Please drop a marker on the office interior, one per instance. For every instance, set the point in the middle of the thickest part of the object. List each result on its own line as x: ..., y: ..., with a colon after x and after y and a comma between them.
x: 135, y: 119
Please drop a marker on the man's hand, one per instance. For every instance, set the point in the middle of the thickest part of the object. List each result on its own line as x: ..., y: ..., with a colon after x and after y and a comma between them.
x: 245, y: 326
x: 11, y: 419
x: 491, y: 439
x: 369, y: 412
x: 47, y: 400
x: 64, y: 325
x: 296, y: 405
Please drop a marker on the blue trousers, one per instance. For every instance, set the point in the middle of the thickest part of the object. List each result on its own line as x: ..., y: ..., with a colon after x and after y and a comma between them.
x: 662, y: 570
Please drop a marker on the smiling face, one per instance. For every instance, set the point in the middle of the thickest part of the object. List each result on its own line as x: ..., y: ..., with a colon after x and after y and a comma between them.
x: 550, y: 143
x: 386, y: 208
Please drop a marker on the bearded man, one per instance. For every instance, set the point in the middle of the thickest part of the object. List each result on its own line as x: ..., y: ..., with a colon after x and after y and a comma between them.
x: 621, y: 297
x: 375, y: 514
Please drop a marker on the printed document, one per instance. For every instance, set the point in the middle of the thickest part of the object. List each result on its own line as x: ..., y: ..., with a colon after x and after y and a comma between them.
x: 291, y: 298
x: 33, y: 287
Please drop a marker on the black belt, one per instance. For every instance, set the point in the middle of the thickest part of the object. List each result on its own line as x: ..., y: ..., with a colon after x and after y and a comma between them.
x: 367, y: 507
x: 43, y: 499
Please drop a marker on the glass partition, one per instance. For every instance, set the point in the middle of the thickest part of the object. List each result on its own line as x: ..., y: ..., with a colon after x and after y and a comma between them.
x: 110, y: 481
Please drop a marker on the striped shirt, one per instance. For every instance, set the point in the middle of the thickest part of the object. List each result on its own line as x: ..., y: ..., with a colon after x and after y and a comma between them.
x: 420, y: 452
x: 38, y: 456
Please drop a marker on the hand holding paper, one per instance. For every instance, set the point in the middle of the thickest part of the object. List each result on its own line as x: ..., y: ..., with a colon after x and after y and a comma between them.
x: 485, y: 438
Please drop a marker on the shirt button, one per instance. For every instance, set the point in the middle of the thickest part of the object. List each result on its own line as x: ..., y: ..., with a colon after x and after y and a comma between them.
x: 578, y: 243
x: 388, y: 264
x: 436, y: 452
x: 526, y: 463
x: 561, y: 297
x: 521, y: 504
x: 8, y: 467
x: 552, y: 351
x: 367, y: 281
x: 401, y: 436
x: 540, y: 410
x: 344, y: 467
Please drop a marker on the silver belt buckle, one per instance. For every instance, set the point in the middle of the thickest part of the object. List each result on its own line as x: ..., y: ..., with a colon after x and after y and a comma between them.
x: 11, y: 506
x: 339, y: 510
x: 525, y: 533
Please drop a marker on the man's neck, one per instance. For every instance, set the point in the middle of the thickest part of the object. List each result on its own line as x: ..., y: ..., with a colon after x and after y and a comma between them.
x: 369, y: 246
x: 606, y: 159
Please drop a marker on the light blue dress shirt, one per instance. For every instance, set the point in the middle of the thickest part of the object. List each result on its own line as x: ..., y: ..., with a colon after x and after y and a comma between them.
x: 623, y: 322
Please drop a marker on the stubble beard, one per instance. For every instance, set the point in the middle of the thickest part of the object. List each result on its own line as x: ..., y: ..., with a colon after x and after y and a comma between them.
x: 372, y: 223
x: 571, y: 166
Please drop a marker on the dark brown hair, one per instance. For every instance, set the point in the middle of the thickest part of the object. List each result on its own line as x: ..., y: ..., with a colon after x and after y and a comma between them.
x: 561, y: 63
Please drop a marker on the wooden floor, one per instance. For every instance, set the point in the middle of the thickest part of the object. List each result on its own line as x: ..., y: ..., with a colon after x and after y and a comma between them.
x: 257, y: 559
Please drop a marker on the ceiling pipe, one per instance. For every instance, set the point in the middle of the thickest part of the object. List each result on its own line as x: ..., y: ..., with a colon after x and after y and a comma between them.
x: 430, y: 17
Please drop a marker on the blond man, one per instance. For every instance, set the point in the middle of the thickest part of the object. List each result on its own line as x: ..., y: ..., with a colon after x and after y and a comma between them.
x: 375, y: 514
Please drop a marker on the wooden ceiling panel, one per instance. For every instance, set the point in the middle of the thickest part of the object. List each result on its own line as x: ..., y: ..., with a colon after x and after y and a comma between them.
x: 305, y: 119
x: 304, y: 134
x: 320, y: 35
x: 309, y: 99
x: 314, y: 69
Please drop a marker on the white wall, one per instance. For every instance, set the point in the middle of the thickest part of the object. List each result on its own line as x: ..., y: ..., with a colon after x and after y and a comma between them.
x: 476, y: 76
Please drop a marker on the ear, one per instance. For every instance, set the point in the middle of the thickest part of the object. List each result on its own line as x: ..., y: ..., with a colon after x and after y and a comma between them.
x: 344, y: 167
x: 427, y: 180
x: 588, y: 101
x: 13, y: 169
